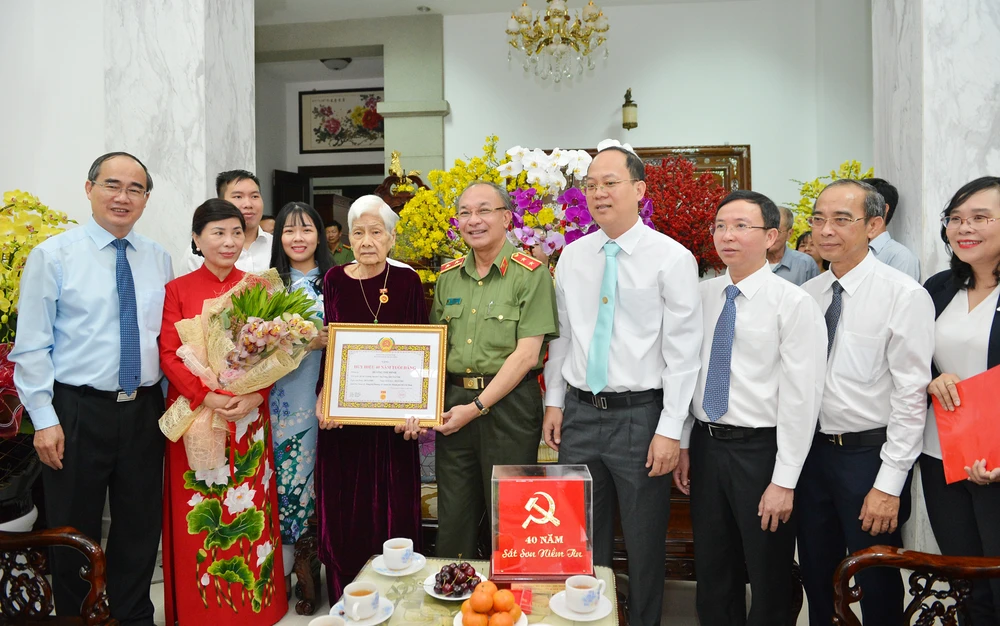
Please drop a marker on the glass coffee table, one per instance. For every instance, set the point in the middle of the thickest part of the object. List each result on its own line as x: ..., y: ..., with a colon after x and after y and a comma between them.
x: 414, y: 606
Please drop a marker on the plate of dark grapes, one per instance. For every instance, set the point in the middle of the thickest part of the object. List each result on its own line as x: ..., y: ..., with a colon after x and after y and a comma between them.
x: 455, y: 581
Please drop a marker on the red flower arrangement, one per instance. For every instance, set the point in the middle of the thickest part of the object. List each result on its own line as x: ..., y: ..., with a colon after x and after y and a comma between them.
x: 371, y: 119
x: 684, y: 204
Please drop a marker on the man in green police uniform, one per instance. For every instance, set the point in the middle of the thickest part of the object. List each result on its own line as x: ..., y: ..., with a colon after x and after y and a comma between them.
x: 341, y: 252
x: 500, y: 308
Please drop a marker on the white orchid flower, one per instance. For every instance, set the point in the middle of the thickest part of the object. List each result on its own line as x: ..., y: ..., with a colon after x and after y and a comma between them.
x: 577, y: 164
x: 511, y: 168
x: 556, y: 182
x: 608, y: 143
x: 561, y: 157
x: 517, y: 153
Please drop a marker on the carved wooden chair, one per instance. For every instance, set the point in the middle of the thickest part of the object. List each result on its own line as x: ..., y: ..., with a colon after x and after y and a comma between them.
x: 935, y: 580
x: 25, y: 594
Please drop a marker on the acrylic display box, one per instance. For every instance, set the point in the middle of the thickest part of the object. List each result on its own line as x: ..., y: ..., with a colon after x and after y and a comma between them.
x: 542, y: 522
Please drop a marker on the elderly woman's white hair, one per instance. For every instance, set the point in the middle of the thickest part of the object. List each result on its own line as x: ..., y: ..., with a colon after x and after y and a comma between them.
x: 372, y: 205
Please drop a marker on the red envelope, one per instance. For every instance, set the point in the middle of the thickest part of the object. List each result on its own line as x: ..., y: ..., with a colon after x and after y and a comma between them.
x: 972, y: 431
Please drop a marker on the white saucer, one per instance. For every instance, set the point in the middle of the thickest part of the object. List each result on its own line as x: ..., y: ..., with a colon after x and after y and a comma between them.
x: 522, y: 621
x: 418, y: 563
x: 384, y: 612
x: 429, y: 588
x: 558, y: 605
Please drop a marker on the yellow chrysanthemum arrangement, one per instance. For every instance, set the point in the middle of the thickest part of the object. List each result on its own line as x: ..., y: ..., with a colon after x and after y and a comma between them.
x: 24, y: 223
x: 810, y: 190
x: 424, y: 223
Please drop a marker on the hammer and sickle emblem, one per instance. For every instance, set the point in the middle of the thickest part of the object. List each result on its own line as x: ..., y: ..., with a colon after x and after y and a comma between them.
x: 546, y: 516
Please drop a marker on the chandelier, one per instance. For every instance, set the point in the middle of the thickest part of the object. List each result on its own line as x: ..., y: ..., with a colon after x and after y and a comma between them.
x: 556, y: 44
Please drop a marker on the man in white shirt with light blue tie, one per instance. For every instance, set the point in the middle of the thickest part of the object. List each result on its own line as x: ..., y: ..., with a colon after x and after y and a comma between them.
x: 87, y: 368
x: 854, y: 491
x: 753, y: 418
x: 620, y: 376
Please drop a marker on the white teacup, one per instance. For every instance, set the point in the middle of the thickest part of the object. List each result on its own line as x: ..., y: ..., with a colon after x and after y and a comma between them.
x: 398, y: 553
x: 327, y: 620
x: 360, y: 600
x: 583, y: 593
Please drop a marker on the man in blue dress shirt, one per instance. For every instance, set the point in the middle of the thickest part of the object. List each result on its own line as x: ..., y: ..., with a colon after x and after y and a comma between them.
x: 887, y: 249
x: 87, y: 368
x: 792, y: 265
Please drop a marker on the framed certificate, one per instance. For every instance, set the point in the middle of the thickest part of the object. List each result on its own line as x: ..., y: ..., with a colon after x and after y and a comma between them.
x: 384, y: 374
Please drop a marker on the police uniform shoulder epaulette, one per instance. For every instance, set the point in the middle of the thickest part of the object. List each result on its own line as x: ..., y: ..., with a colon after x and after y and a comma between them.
x: 529, y: 262
x: 450, y: 265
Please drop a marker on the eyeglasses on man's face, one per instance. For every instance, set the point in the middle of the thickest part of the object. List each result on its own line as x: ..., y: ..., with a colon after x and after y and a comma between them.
x: 740, y: 228
x: 115, y: 188
x: 464, y: 215
x: 609, y: 186
x: 817, y: 222
x: 977, y: 222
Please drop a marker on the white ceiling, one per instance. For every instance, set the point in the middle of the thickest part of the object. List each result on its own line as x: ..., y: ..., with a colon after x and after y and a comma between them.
x: 298, y: 11
x: 312, y: 71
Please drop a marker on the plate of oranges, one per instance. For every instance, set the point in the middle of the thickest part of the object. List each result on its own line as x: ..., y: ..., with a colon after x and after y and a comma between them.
x: 488, y: 606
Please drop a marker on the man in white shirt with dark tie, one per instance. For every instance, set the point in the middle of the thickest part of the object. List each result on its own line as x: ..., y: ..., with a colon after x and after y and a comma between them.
x: 854, y: 491
x: 620, y: 377
x: 753, y: 418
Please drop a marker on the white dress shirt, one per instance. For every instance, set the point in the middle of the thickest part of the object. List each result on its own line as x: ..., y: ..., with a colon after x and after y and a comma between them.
x: 961, y: 347
x: 777, y: 365
x: 256, y: 258
x: 880, y: 365
x: 657, y: 329
x: 68, y: 327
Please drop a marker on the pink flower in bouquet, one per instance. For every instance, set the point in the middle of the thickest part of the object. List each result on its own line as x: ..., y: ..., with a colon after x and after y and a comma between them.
x: 229, y: 376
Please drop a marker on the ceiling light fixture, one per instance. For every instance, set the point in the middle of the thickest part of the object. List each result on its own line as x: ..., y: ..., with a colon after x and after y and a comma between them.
x: 554, y: 43
x: 336, y: 64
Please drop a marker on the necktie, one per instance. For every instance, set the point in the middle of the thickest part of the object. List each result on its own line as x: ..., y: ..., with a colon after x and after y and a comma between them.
x: 716, y: 401
x: 597, y: 358
x: 833, y: 315
x: 130, y: 363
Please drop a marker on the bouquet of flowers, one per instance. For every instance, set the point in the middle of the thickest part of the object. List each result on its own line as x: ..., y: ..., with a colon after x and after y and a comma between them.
x: 243, y: 341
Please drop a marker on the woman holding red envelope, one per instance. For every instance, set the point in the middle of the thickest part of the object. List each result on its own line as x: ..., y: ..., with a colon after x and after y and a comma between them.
x: 965, y: 515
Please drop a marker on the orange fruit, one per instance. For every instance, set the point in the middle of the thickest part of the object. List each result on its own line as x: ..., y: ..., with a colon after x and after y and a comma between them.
x: 466, y: 607
x: 481, y: 602
x: 502, y: 618
x: 503, y: 600
x: 474, y: 619
x: 487, y: 586
x: 515, y: 613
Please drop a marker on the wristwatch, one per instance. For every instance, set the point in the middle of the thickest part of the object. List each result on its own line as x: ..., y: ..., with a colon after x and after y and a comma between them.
x: 483, y: 410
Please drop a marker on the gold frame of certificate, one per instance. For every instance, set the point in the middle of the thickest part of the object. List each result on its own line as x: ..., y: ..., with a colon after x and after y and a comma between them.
x: 384, y: 374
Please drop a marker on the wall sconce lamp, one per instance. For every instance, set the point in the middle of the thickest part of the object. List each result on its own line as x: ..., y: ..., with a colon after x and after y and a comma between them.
x: 630, y: 112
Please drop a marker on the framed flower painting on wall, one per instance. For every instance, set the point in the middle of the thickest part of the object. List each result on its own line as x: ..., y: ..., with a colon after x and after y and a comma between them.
x: 342, y: 120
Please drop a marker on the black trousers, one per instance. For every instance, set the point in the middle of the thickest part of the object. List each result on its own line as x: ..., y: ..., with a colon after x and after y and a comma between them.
x: 728, y: 479
x: 613, y: 444
x: 831, y: 491
x: 113, y: 447
x: 965, y: 518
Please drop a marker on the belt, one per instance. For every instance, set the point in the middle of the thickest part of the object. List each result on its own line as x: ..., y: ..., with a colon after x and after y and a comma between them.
x: 725, y: 432
x: 479, y: 381
x: 605, y: 401
x: 117, y: 396
x: 870, y: 438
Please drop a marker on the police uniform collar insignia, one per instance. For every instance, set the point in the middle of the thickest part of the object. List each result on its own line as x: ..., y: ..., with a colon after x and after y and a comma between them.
x: 529, y: 262
x: 452, y: 264
x: 503, y: 267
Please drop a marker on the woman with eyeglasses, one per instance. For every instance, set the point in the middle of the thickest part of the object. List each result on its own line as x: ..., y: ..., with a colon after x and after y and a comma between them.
x: 964, y: 515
